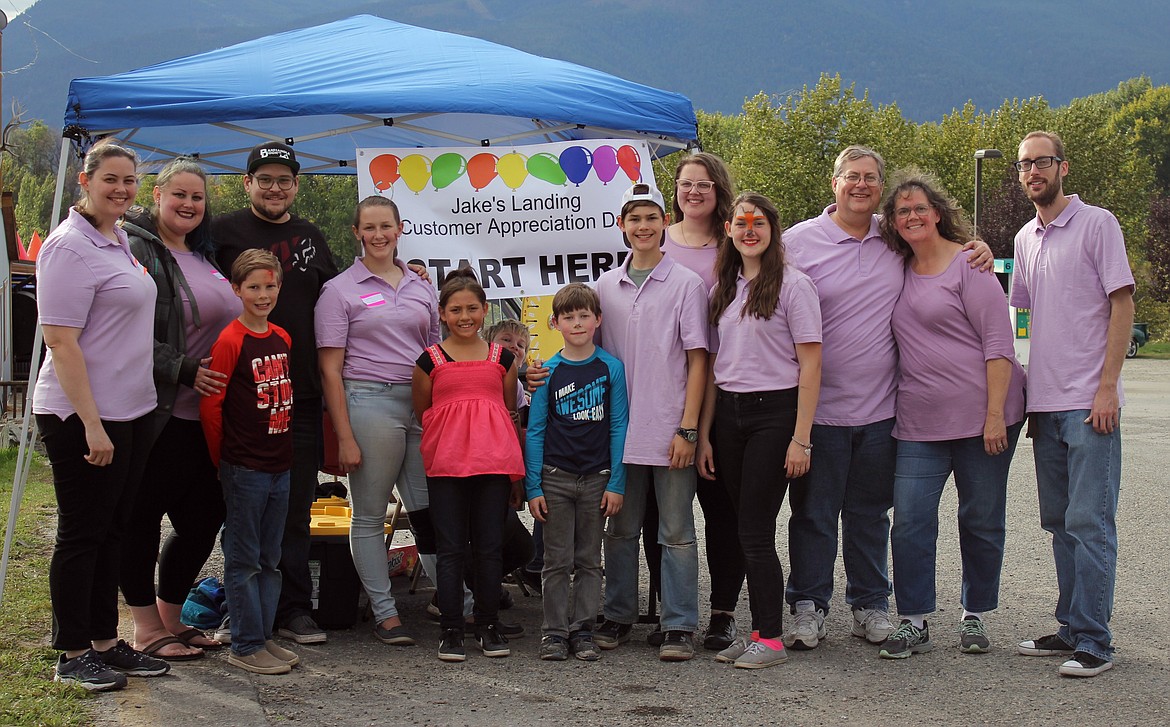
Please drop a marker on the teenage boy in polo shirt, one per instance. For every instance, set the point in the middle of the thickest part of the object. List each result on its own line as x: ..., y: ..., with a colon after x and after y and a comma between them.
x: 1072, y: 272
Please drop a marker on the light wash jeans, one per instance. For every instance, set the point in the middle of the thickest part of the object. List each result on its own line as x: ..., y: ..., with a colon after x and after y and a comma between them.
x: 675, y: 491
x: 256, y: 506
x: 572, y: 546
x: 382, y: 418
x: 1078, y: 476
x: 981, y: 483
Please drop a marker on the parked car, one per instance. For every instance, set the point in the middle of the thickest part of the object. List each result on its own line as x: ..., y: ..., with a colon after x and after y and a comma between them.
x: 1141, y: 336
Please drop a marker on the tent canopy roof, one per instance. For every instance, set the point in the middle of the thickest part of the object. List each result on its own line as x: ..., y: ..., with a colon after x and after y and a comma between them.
x: 366, y: 82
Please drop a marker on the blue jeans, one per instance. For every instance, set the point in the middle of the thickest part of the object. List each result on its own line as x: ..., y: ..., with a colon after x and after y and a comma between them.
x: 981, y: 484
x: 382, y: 418
x: 851, y: 479
x: 257, y: 503
x: 675, y: 490
x: 572, y: 547
x: 1078, y: 476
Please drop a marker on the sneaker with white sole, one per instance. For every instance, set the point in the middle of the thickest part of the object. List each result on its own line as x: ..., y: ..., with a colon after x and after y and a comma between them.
x: 906, y: 641
x: 89, y: 672
x: 1050, y: 645
x: 303, y: 630
x: 808, y: 627
x: 131, y: 662
x: 736, y: 650
x: 872, y: 624
x: 973, y: 638
x: 759, y: 656
x: 1084, y: 664
x: 223, y: 634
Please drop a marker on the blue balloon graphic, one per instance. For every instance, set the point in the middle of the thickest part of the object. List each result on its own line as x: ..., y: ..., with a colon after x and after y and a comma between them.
x: 576, y: 161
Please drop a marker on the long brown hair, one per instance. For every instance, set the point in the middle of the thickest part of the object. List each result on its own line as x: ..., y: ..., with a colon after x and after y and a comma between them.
x: 718, y: 173
x: 952, y: 222
x: 764, y: 290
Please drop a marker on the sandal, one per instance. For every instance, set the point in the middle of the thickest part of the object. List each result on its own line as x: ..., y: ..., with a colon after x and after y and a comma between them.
x: 193, y: 633
x: 157, y: 645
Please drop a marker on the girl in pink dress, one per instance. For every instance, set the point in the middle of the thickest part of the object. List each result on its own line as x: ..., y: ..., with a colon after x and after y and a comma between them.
x: 465, y: 396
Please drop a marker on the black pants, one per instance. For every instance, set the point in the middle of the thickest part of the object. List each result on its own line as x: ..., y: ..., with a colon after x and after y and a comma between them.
x: 296, y: 590
x: 721, y: 533
x: 93, y: 506
x: 753, y: 432
x: 462, y: 509
x: 181, y: 483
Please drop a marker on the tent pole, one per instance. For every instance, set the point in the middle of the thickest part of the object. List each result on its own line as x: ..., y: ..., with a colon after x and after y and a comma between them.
x: 59, y: 194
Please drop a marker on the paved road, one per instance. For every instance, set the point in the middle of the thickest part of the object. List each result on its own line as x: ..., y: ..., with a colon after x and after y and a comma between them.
x: 354, y: 680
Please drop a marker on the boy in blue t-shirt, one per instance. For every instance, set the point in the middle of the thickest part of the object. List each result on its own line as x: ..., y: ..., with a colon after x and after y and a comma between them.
x: 576, y: 438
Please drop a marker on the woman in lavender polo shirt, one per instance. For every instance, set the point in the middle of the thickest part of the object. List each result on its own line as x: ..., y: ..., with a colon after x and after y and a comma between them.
x: 372, y: 321
x: 960, y: 409
x: 92, y: 395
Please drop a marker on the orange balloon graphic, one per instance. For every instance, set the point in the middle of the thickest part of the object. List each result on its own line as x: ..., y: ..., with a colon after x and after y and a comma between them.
x: 384, y: 171
x: 481, y: 170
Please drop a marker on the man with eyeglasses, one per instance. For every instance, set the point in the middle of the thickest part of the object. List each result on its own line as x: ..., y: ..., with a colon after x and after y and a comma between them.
x: 1072, y: 271
x: 851, y: 477
x: 272, y: 184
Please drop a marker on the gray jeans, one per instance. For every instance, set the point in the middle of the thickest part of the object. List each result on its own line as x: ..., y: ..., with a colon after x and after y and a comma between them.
x: 572, y: 545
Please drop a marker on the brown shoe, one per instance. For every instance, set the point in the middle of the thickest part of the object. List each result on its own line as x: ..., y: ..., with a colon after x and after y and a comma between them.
x: 288, y: 657
x: 260, y: 662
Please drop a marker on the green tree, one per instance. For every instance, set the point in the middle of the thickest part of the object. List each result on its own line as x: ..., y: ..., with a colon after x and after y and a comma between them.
x: 1144, y: 123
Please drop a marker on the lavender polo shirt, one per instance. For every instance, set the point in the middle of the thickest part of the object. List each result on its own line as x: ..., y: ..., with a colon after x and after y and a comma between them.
x: 858, y: 283
x: 759, y: 355
x: 218, y: 306
x: 650, y: 329
x: 1064, y: 273
x: 699, y: 260
x: 948, y: 326
x: 87, y: 281
x: 382, y: 329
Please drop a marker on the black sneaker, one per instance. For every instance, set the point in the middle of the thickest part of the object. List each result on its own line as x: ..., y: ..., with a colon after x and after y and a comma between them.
x: 303, y: 630
x: 1084, y: 664
x: 531, y: 579
x: 89, y: 672
x: 554, y: 648
x: 512, y: 631
x: 656, y: 637
x: 491, y: 641
x: 132, y: 663
x: 611, y: 633
x: 677, y: 646
x: 582, y: 646
x: 451, y: 646
x: 906, y: 641
x: 1050, y: 645
x: 720, y: 632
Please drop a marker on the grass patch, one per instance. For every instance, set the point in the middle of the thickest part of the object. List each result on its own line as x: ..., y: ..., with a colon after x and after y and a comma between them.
x: 1161, y: 350
x: 28, y: 695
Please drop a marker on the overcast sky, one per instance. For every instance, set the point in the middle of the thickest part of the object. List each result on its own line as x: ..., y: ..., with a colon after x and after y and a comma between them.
x: 12, y: 8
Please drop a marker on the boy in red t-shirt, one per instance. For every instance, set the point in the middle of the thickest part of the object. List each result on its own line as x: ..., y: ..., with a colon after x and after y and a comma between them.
x: 248, y: 434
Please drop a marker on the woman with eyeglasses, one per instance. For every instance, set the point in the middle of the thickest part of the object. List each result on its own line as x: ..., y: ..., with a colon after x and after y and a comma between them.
x: 960, y: 409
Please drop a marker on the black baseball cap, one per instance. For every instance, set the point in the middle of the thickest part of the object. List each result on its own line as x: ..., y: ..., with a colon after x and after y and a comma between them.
x: 273, y: 152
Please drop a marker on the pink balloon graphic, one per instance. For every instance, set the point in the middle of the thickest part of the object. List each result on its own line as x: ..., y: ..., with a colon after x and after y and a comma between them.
x: 630, y: 162
x: 605, y: 163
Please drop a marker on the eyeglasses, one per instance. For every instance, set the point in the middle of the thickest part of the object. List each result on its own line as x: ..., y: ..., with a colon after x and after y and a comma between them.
x: 854, y: 177
x: 1025, y: 165
x: 283, y: 183
x: 686, y: 185
x: 920, y: 210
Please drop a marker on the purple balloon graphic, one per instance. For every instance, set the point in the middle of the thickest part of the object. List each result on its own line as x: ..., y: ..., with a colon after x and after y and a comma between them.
x: 605, y: 163
x: 575, y: 163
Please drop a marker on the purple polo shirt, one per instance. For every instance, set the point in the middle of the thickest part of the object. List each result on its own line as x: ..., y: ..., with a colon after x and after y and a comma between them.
x: 87, y: 281
x: 650, y: 329
x: 858, y: 283
x: 218, y: 306
x: 382, y: 329
x: 699, y: 260
x: 1064, y: 273
x: 948, y: 326
x: 759, y: 355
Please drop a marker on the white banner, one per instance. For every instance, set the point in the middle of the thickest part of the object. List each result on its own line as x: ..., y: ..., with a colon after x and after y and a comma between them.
x: 527, y: 219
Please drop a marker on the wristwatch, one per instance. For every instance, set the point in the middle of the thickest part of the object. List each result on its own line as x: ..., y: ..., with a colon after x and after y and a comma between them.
x: 691, y: 435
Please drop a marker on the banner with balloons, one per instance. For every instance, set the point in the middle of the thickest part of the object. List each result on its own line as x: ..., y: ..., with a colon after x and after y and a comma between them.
x: 527, y: 219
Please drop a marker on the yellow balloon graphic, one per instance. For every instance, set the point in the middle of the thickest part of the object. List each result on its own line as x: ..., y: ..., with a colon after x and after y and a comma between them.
x: 416, y: 170
x: 512, y: 168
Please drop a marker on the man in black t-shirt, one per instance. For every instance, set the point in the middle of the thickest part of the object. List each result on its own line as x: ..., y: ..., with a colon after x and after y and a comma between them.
x: 272, y: 184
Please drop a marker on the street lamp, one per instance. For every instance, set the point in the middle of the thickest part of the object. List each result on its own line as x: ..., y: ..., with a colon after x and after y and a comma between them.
x: 980, y: 155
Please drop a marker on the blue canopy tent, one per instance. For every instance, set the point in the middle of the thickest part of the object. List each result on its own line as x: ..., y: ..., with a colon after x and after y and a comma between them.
x: 362, y: 82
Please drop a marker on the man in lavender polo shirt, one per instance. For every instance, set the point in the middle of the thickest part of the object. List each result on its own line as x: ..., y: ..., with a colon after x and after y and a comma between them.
x: 1072, y: 272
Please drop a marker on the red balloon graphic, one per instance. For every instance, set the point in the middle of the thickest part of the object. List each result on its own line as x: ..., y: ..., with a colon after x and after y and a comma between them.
x: 481, y: 170
x: 630, y: 162
x: 384, y: 171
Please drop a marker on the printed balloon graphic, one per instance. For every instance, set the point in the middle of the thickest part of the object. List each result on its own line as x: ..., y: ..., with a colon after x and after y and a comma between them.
x: 481, y: 170
x: 545, y: 166
x: 384, y: 171
x: 605, y: 163
x: 576, y: 161
x: 416, y: 170
x: 630, y: 162
x: 446, y: 168
x: 512, y: 168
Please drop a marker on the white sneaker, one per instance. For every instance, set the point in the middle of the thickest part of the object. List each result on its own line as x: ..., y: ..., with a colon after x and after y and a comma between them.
x: 872, y: 624
x: 223, y: 634
x: 808, y: 627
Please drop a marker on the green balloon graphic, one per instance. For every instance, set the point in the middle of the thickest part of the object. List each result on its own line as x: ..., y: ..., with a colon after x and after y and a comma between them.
x: 446, y: 168
x: 547, y: 167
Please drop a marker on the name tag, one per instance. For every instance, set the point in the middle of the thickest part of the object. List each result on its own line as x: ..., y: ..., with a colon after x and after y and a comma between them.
x: 373, y: 300
x: 218, y: 275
